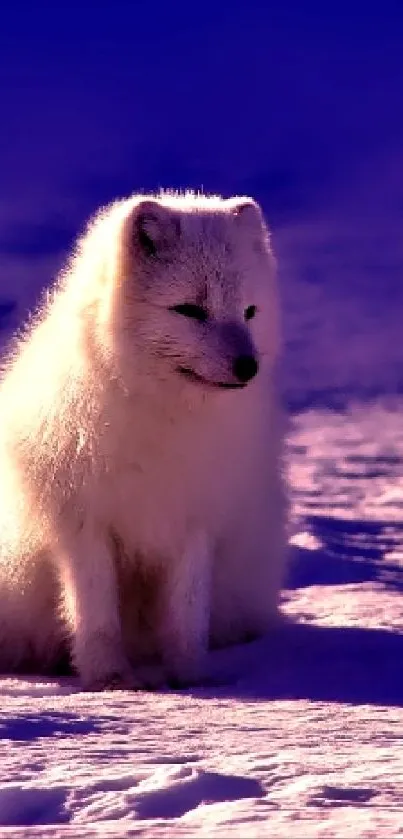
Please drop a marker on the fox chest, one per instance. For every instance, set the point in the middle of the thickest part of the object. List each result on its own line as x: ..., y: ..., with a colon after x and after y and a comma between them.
x: 155, y: 498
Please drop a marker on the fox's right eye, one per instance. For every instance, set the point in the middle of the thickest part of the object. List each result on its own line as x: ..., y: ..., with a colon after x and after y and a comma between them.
x: 190, y: 310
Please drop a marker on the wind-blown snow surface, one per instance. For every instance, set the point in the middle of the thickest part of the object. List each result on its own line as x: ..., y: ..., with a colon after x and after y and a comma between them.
x: 301, y: 733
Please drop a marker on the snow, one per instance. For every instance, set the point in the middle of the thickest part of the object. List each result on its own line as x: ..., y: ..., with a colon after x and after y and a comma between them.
x: 298, y: 734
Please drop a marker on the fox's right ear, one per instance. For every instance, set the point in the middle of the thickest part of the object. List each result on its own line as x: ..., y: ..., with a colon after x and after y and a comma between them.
x: 155, y: 228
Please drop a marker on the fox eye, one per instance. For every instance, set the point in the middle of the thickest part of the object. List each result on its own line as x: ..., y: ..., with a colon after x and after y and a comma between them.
x: 190, y: 310
x: 250, y: 312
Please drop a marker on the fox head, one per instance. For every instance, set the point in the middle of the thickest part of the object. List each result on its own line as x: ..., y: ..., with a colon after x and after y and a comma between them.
x: 189, y: 291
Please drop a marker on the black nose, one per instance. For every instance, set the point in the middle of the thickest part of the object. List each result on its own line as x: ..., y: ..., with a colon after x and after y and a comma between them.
x: 245, y: 368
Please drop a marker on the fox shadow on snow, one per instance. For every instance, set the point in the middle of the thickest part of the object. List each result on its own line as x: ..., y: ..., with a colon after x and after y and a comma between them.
x: 303, y: 660
x: 28, y: 727
x: 332, y: 664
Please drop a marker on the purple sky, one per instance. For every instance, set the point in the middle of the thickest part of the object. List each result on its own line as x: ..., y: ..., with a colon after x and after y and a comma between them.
x: 298, y: 103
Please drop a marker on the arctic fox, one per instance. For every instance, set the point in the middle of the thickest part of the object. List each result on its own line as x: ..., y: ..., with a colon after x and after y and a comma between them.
x: 142, y: 505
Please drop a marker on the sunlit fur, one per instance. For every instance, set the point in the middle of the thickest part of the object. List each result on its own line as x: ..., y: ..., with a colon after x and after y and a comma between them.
x: 142, y: 514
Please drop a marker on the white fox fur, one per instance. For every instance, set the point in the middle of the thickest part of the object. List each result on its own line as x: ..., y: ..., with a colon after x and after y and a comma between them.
x: 142, y: 514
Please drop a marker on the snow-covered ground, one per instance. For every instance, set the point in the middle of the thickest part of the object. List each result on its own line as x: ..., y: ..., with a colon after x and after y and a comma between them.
x: 301, y: 735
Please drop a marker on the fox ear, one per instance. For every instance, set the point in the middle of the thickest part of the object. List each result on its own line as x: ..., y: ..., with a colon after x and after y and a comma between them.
x: 248, y: 212
x: 156, y: 228
x: 249, y: 218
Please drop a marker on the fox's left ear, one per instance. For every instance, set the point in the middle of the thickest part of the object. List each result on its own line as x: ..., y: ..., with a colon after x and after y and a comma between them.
x: 247, y: 211
x: 249, y: 217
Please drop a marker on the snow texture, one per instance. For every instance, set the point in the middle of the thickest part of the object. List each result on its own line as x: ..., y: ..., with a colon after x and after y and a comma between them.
x: 301, y: 733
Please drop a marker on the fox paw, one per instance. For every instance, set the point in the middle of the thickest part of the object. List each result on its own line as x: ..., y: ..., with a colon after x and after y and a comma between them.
x: 111, y: 681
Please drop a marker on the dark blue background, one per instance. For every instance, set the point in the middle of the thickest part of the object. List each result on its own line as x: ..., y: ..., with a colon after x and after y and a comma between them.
x: 298, y: 103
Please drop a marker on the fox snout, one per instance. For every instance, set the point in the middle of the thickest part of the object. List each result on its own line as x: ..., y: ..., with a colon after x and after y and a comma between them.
x: 219, y: 353
x: 228, y: 357
x: 245, y: 368
x: 239, y: 346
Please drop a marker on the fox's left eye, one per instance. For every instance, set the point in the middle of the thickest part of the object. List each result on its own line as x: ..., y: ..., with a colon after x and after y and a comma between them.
x: 250, y: 312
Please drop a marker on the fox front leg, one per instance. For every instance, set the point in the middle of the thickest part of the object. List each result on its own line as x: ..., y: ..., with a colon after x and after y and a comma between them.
x: 185, y: 623
x: 91, y: 611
